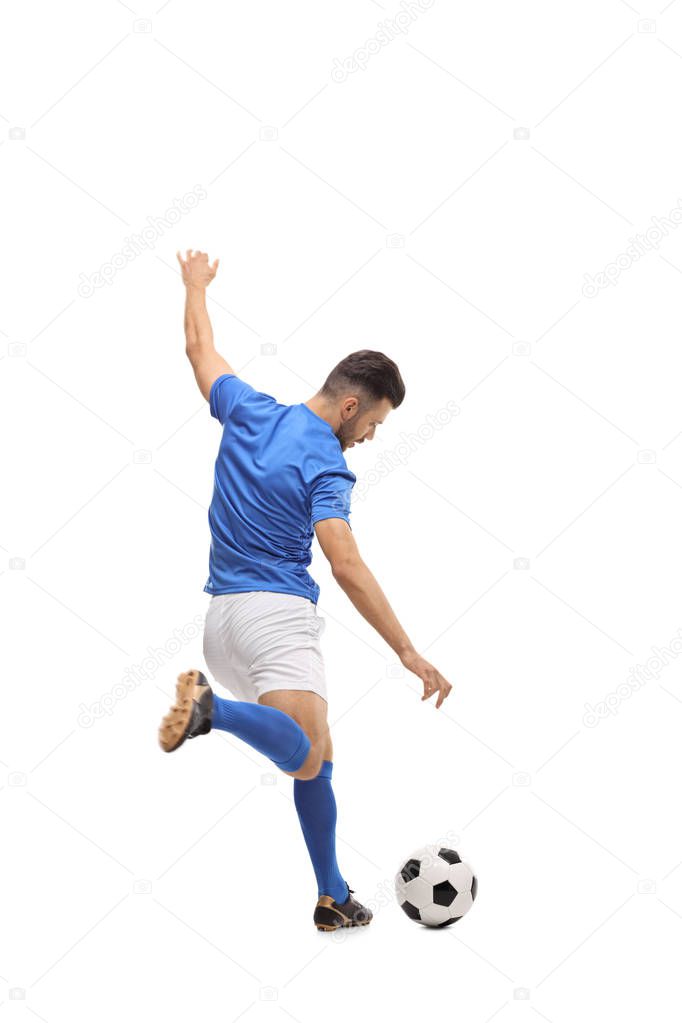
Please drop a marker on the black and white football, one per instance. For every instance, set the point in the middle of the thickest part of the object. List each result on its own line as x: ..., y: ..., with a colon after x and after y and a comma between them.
x: 434, y: 887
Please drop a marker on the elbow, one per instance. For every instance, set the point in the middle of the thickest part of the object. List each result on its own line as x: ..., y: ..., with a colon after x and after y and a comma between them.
x: 345, y: 570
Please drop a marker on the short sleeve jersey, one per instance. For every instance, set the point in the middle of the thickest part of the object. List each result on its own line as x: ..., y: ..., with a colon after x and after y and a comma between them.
x: 279, y: 470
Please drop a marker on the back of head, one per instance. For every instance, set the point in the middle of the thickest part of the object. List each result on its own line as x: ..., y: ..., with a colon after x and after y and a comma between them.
x: 372, y: 374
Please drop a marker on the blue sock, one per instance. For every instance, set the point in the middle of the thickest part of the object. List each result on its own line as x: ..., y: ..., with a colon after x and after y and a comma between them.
x: 268, y: 729
x: 316, y: 808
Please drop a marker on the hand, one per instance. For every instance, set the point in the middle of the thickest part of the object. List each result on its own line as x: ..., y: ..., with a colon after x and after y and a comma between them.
x: 196, y: 273
x: 430, y: 676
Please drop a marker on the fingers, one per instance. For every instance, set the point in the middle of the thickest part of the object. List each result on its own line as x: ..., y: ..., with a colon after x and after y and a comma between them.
x: 429, y: 690
x: 195, y: 254
x: 437, y: 685
x: 444, y: 692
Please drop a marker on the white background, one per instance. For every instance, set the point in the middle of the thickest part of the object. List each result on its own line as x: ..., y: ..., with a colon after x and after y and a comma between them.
x: 400, y: 209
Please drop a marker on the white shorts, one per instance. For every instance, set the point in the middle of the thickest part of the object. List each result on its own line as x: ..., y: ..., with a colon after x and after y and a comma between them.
x: 258, y: 641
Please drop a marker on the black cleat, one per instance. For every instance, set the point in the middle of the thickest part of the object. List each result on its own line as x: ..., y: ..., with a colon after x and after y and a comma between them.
x: 191, y: 713
x: 330, y: 915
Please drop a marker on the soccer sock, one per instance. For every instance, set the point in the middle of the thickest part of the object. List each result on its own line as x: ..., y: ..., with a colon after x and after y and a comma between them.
x: 316, y: 808
x: 268, y: 729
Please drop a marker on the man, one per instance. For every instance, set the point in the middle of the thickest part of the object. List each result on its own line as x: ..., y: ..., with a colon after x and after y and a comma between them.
x: 280, y: 474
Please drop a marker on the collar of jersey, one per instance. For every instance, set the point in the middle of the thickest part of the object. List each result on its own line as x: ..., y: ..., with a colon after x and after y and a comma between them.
x: 319, y: 418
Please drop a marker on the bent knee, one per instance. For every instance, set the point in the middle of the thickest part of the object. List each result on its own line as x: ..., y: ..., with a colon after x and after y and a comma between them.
x: 310, y: 768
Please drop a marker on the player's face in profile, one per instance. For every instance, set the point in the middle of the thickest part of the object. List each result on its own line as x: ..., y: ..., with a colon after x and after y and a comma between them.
x: 362, y: 425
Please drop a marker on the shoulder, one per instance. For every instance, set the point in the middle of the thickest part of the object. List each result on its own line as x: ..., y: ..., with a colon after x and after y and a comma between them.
x: 229, y: 393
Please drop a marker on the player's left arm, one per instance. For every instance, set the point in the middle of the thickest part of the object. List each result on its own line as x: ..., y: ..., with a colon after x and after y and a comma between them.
x: 206, y: 362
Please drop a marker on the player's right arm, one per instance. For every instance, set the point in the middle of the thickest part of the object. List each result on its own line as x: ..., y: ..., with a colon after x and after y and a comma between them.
x: 360, y: 586
x: 206, y: 362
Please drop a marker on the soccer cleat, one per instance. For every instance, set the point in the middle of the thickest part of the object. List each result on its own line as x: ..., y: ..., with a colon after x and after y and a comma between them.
x: 191, y: 713
x: 330, y: 915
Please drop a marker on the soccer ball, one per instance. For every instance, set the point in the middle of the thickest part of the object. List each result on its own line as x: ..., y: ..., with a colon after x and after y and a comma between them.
x: 434, y: 887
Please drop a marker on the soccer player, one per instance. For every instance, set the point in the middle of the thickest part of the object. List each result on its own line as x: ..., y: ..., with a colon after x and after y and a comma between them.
x: 280, y: 473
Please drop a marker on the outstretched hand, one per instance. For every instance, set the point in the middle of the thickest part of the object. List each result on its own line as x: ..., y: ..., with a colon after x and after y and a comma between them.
x: 196, y: 272
x: 430, y: 676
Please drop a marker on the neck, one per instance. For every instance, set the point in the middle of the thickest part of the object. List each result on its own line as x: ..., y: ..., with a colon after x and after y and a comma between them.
x: 319, y: 406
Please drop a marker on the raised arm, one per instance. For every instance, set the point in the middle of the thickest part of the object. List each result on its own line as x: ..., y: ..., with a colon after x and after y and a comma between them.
x: 355, y: 579
x: 206, y: 362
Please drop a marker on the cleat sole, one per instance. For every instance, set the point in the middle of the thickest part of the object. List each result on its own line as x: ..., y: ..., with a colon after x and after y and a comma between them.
x: 175, y: 724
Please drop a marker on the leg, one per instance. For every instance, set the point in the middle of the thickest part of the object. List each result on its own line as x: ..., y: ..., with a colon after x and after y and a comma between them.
x: 197, y: 710
x: 252, y: 642
x: 309, y: 710
x: 267, y: 729
x: 228, y: 650
x: 313, y: 792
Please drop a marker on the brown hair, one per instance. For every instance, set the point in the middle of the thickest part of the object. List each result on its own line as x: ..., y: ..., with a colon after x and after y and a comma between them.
x: 372, y: 373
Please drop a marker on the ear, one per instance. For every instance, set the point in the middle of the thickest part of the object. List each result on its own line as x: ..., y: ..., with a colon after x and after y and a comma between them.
x: 350, y: 406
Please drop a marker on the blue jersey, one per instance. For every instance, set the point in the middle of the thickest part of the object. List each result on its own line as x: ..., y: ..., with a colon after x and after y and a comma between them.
x: 279, y: 470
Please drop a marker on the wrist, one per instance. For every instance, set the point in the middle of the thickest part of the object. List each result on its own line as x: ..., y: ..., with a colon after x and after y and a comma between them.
x: 405, y: 651
x: 195, y: 291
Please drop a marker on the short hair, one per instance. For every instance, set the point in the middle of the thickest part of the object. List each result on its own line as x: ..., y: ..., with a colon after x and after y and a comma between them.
x: 372, y: 373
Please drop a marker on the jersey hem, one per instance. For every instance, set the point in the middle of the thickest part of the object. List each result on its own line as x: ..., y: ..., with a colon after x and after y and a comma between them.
x: 258, y: 589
